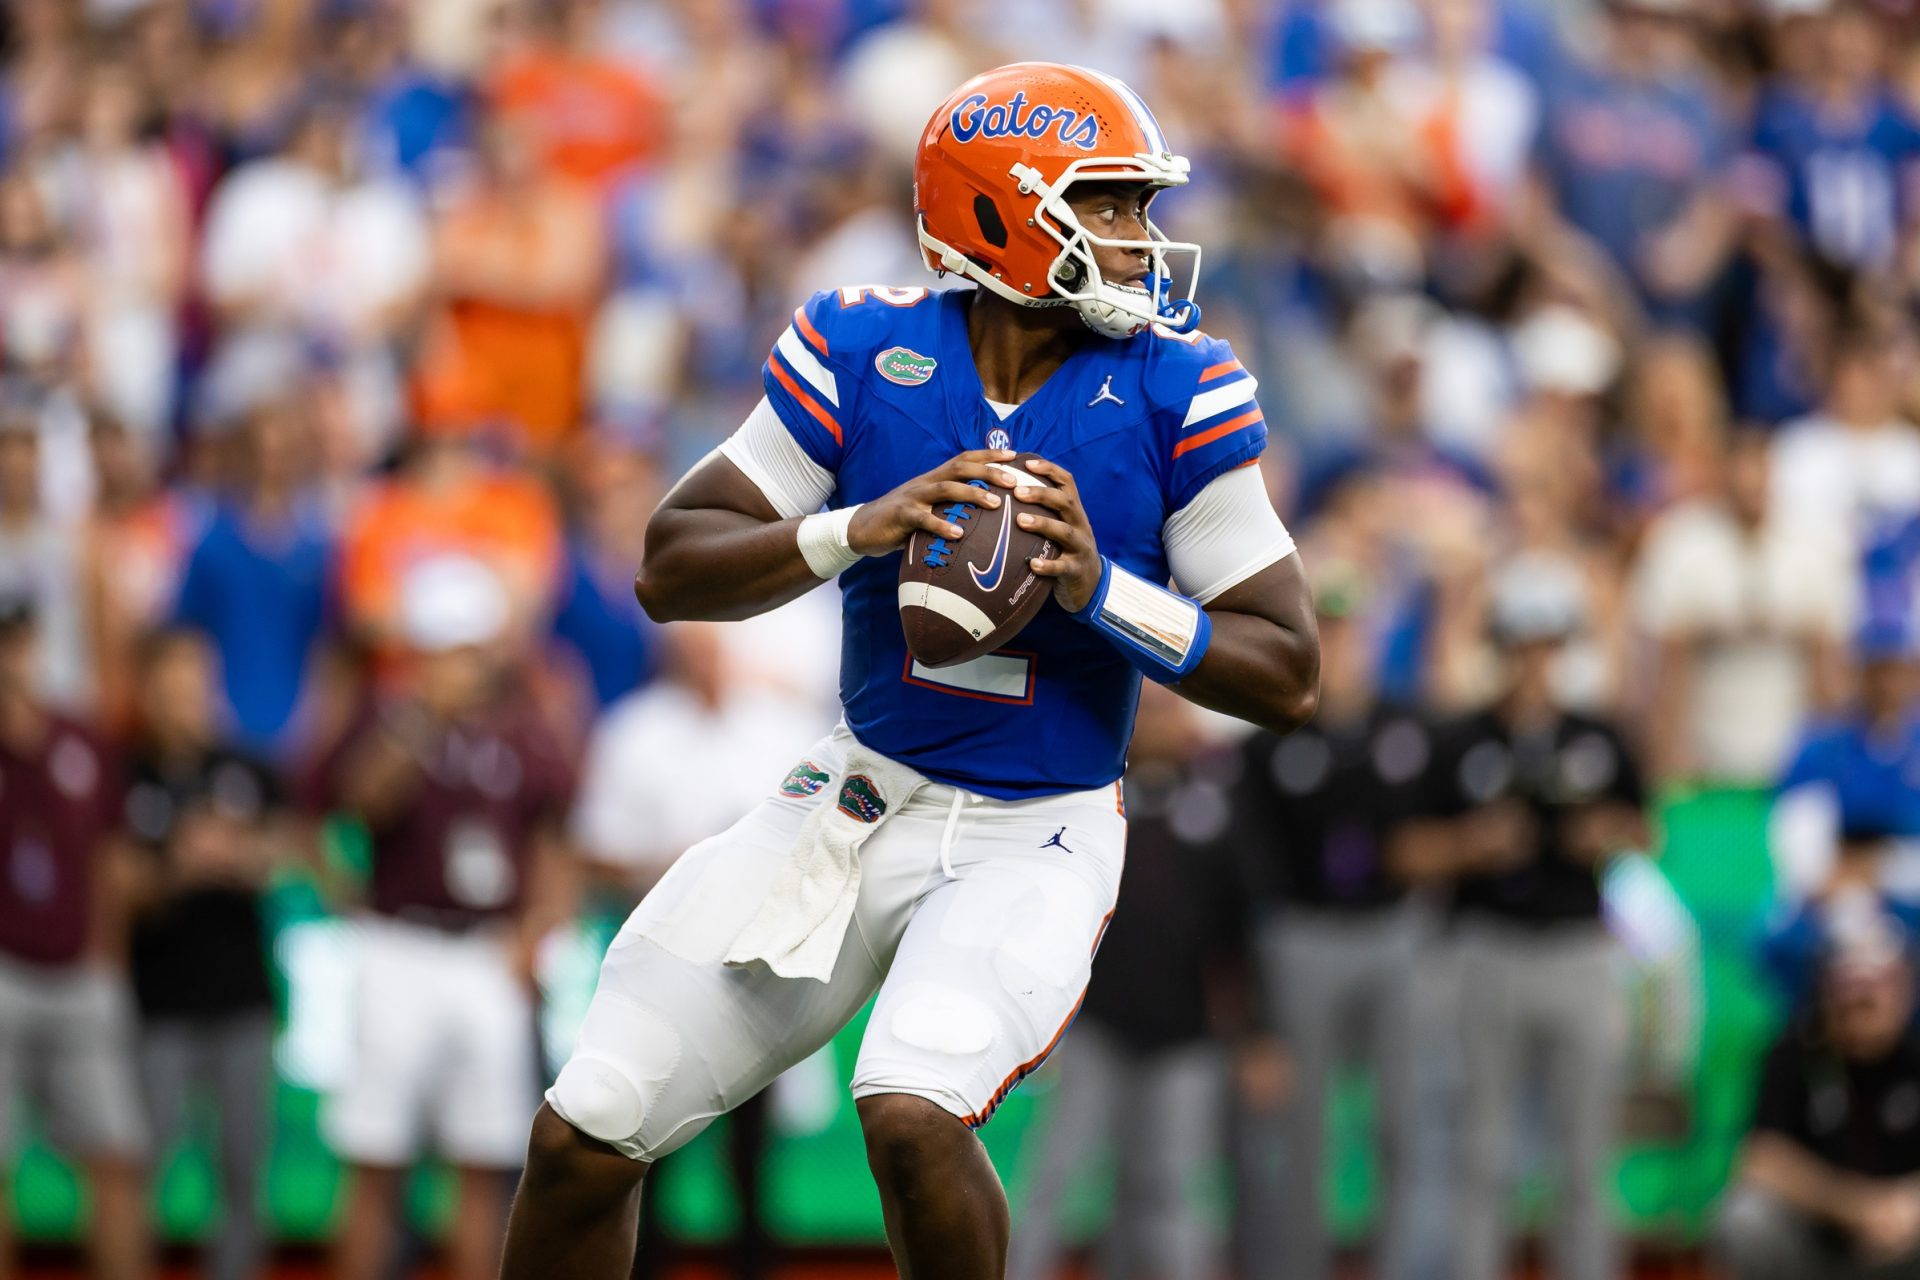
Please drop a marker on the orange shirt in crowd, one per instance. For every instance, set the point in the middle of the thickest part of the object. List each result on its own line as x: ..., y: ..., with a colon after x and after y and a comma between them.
x: 592, y: 117
x: 1366, y: 163
x: 504, y: 519
x: 520, y: 272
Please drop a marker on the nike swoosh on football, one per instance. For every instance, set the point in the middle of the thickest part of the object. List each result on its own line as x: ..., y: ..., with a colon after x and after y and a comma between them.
x: 996, y: 567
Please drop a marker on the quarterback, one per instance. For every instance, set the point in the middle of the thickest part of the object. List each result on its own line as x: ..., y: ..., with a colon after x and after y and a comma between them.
x: 956, y: 843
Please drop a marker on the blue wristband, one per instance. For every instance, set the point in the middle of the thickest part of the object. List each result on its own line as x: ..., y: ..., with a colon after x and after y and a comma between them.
x: 1161, y: 633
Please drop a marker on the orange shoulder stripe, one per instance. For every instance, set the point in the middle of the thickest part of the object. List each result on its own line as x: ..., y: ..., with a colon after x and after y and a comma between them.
x: 807, y: 331
x: 807, y: 402
x: 1214, y: 433
x: 1220, y: 370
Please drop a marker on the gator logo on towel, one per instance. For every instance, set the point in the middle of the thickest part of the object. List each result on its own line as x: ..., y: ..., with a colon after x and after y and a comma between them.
x: 859, y: 800
x: 806, y: 779
x: 908, y: 368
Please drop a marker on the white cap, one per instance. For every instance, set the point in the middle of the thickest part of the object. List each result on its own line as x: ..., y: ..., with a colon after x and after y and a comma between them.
x: 1536, y: 598
x: 1375, y: 24
x: 451, y: 602
x: 1561, y: 349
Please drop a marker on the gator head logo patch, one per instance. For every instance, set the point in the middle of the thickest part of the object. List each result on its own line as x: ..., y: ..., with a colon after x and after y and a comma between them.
x: 859, y: 800
x: 806, y: 779
x: 908, y: 368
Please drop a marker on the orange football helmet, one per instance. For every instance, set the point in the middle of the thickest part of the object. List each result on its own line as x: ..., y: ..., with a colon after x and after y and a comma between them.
x: 990, y: 183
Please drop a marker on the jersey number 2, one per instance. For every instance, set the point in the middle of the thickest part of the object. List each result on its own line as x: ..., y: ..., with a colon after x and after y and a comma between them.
x: 854, y: 294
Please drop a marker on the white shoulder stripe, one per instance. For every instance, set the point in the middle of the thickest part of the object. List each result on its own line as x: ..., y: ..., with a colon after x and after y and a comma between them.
x: 1209, y: 404
x: 808, y: 365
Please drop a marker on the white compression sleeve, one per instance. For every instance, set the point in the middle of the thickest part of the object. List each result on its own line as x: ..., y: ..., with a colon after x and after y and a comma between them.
x: 1225, y: 535
x: 766, y: 452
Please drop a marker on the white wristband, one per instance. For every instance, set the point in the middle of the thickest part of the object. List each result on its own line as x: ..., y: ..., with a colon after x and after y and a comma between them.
x: 823, y: 542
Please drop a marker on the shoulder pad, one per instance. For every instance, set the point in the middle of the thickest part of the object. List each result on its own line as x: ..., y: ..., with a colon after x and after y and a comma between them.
x: 846, y: 325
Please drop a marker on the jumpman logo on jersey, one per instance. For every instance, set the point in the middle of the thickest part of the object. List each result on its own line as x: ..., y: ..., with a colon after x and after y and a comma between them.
x: 1055, y: 842
x: 1106, y: 394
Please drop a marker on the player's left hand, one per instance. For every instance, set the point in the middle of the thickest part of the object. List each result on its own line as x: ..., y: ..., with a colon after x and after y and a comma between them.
x: 1076, y: 570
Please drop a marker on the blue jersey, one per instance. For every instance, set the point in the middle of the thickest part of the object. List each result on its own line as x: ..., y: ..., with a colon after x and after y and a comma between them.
x: 878, y: 386
x: 1845, y: 175
x: 1873, y: 775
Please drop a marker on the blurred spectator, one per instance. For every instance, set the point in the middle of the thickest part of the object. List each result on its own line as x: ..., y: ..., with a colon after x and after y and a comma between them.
x: 580, y: 116
x: 683, y: 758
x: 1630, y: 150
x: 40, y: 561
x: 256, y: 85
x: 1855, y: 464
x: 616, y: 488
x: 518, y: 257
x: 1826, y: 1187
x: 301, y: 247
x: 122, y: 198
x: 462, y: 794
x: 1174, y: 1005
x: 1835, y: 149
x: 1855, y: 763
x: 1527, y: 802
x: 1383, y: 180
x: 257, y: 581
x: 1750, y: 612
x: 207, y: 818
x: 451, y: 497
x: 66, y: 1021
x: 133, y: 553
x: 42, y: 287
x: 1343, y: 936
x: 1803, y: 932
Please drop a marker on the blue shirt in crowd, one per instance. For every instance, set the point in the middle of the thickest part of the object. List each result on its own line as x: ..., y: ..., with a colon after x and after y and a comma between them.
x: 1844, y: 174
x: 262, y: 595
x: 600, y: 618
x: 1625, y: 157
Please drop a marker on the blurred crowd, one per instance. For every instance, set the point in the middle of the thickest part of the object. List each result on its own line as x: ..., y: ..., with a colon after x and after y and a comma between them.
x: 346, y: 345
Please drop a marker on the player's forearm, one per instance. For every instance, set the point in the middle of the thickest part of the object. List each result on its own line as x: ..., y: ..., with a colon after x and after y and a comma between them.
x: 1257, y: 670
x: 712, y: 565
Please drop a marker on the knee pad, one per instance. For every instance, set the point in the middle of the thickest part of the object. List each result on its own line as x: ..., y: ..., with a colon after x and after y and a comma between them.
x: 597, y: 1098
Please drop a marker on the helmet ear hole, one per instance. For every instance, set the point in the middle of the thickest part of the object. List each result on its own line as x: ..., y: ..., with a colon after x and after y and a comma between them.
x: 988, y: 216
x: 1072, y: 274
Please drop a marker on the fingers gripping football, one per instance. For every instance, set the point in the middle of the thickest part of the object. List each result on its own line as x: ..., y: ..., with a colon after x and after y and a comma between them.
x: 1076, y: 569
x: 920, y: 505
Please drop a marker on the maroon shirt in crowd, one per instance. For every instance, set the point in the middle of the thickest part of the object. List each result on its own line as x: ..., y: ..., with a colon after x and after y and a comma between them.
x: 58, y: 804
x: 458, y: 849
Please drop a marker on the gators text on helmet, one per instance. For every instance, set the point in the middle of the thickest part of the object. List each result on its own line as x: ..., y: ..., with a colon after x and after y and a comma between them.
x: 990, y: 193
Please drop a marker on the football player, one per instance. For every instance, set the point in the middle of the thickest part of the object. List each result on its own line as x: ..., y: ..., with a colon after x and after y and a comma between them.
x: 956, y: 843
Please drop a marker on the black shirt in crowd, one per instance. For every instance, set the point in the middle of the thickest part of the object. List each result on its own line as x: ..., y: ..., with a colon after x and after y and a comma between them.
x: 1572, y: 763
x: 1315, y: 808
x: 200, y: 952
x: 1181, y: 929
x: 1862, y: 1117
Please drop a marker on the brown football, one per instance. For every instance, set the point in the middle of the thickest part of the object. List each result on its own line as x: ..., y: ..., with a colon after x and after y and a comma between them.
x: 960, y: 598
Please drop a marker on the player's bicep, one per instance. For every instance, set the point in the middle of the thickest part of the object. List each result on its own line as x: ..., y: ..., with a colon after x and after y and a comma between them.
x: 716, y: 483
x: 1278, y: 594
x: 767, y: 453
x: 1226, y: 535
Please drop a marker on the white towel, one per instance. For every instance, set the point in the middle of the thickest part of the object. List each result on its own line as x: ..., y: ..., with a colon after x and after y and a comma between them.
x: 799, y: 928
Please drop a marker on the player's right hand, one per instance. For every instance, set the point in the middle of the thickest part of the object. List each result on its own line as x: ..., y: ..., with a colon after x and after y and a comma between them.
x: 886, y: 523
